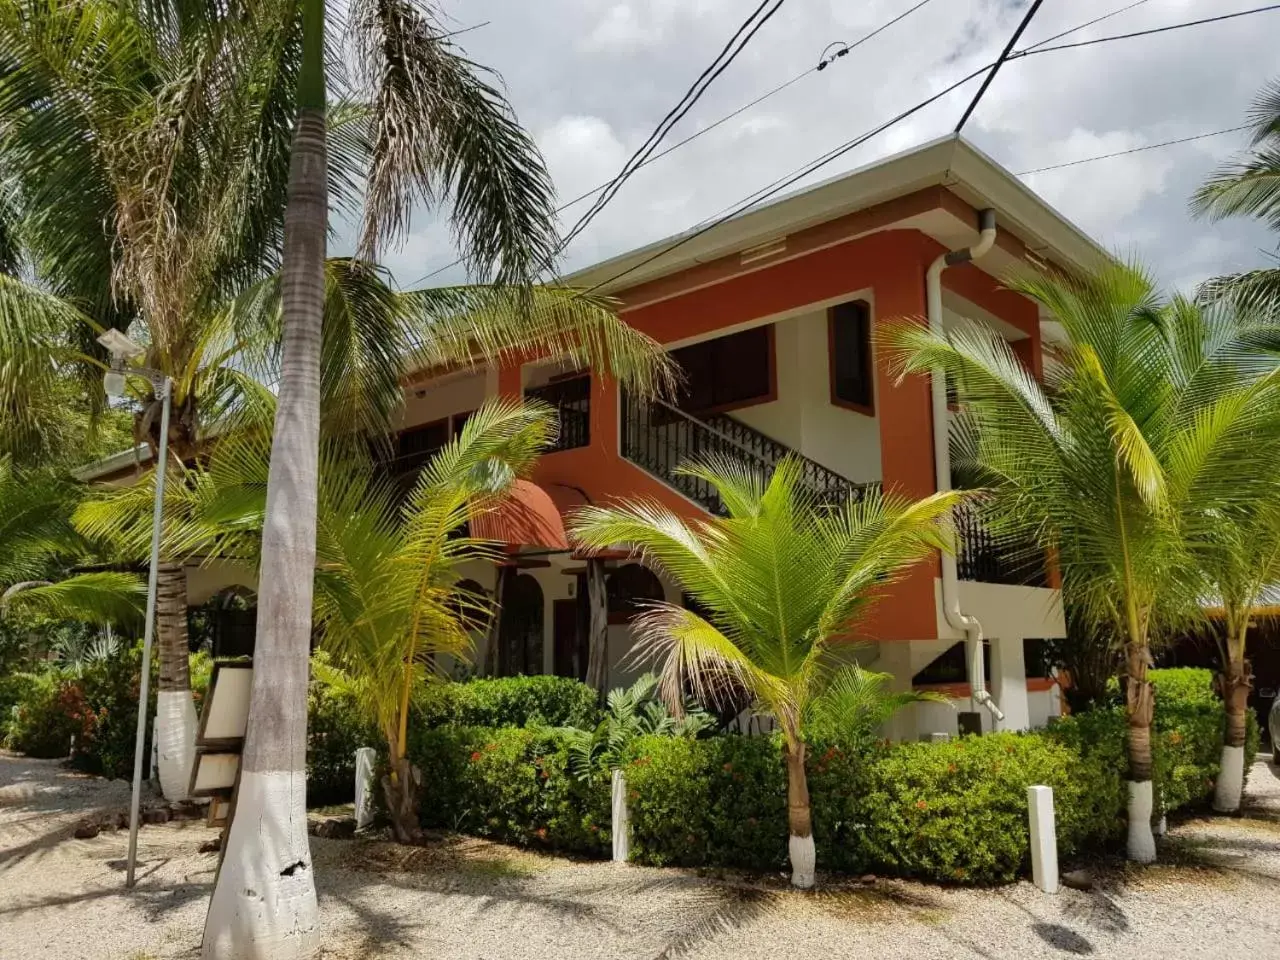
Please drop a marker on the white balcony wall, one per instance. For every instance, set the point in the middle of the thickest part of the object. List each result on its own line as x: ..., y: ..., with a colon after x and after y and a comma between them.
x: 803, y: 416
x: 456, y: 393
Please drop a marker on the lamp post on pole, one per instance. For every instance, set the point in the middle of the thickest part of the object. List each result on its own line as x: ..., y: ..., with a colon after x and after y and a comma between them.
x: 122, y: 350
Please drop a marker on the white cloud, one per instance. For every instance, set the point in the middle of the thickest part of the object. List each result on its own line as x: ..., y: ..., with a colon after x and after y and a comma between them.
x: 591, y: 101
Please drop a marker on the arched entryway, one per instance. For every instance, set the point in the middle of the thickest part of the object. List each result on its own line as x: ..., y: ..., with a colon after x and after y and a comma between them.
x: 520, y: 643
x: 225, y: 625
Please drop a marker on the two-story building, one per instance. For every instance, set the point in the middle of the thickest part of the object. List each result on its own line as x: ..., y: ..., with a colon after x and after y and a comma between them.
x: 772, y: 316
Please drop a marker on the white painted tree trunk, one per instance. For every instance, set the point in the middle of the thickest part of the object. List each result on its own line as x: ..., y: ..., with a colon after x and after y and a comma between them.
x: 1141, y: 847
x: 264, y: 902
x: 176, y: 725
x: 175, y: 730
x: 1230, y: 786
x: 366, y: 762
x: 804, y: 861
x: 264, y: 899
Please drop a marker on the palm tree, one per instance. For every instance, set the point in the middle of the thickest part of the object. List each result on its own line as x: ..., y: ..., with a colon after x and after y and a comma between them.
x: 436, y: 128
x: 386, y: 603
x: 38, y: 548
x: 1249, y: 186
x: 784, y: 581
x: 1156, y: 417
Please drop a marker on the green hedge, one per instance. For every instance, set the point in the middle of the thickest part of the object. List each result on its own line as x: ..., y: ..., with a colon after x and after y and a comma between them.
x: 954, y: 811
x: 334, y: 732
x: 510, y: 784
x: 508, y: 702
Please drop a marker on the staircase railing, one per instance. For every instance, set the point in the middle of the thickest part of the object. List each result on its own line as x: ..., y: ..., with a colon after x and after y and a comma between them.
x: 987, y: 558
x: 659, y: 438
x: 571, y: 399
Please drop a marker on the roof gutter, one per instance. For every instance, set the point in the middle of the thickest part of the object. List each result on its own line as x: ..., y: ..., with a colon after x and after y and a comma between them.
x: 956, y: 618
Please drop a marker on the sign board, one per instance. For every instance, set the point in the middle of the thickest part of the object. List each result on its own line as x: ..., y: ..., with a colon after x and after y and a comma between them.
x: 224, y: 719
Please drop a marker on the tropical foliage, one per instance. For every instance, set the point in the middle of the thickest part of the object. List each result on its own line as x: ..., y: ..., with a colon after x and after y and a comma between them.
x: 1249, y: 186
x: 783, y: 580
x: 1157, y: 418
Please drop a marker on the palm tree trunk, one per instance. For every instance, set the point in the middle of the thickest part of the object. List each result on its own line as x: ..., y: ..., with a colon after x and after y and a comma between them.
x: 598, y: 631
x: 1236, y: 681
x: 264, y: 899
x: 175, y: 710
x: 803, y: 855
x: 1140, y: 709
x: 400, y: 788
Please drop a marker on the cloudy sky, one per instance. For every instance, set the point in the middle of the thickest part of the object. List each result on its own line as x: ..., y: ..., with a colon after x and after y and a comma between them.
x: 591, y: 78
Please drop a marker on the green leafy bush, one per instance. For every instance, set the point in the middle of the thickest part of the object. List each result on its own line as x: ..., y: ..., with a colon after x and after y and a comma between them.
x: 1191, y: 686
x: 511, y: 784
x: 15, y: 688
x: 105, y: 698
x: 507, y: 702
x: 40, y: 724
x: 335, y: 730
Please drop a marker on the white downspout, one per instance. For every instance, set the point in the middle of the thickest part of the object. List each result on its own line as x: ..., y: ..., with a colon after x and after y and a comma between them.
x: 956, y: 619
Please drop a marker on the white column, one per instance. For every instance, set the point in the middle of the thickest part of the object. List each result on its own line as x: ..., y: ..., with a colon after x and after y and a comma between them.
x: 621, y: 819
x: 366, y: 760
x: 895, y: 660
x: 1009, y: 680
x: 1044, y: 839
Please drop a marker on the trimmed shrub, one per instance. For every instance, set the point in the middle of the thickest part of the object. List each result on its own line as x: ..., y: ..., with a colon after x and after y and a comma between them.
x: 953, y: 812
x: 1190, y: 686
x: 508, y: 702
x: 512, y: 785
x: 335, y: 730
x: 41, y: 723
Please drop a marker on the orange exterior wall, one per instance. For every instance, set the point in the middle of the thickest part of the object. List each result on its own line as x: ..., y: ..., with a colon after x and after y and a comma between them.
x: 892, y: 265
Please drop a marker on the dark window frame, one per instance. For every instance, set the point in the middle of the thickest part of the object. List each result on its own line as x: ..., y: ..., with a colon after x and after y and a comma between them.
x: 867, y: 408
x: 771, y: 359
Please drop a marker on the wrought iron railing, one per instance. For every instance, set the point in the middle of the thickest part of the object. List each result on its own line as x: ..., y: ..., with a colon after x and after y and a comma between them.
x: 987, y: 558
x: 571, y: 399
x: 659, y: 438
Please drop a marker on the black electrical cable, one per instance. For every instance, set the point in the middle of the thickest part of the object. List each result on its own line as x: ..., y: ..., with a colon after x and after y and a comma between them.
x: 1033, y: 51
x: 737, y: 43
x: 842, y: 50
x: 1085, y: 26
x: 1124, y: 153
x: 784, y: 182
x: 1004, y: 55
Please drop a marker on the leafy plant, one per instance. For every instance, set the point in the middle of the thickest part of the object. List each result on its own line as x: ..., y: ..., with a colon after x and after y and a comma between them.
x: 781, y: 578
x: 1157, y: 418
x: 631, y: 712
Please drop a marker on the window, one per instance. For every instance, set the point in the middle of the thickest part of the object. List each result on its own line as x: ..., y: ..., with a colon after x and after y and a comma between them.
x: 849, y: 342
x: 727, y: 372
x: 414, y: 447
x: 458, y: 421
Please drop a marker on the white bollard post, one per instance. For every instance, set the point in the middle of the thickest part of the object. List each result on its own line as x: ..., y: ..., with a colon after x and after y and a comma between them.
x: 366, y: 758
x: 621, y: 821
x: 1044, y: 839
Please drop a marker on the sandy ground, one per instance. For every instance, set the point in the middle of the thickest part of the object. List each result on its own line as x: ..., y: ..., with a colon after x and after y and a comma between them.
x: 1212, y: 896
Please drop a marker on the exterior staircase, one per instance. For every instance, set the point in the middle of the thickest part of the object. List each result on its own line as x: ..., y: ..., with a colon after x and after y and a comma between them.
x: 659, y: 438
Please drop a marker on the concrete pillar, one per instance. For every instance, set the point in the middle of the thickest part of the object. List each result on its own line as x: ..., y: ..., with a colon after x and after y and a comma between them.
x: 1009, y: 683
x: 621, y: 819
x: 1044, y: 839
x: 366, y: 762
x: 895, y: 660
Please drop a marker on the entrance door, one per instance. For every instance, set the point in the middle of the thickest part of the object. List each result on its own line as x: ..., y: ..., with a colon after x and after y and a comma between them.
x: 521, y: 628
x: 570, y: 656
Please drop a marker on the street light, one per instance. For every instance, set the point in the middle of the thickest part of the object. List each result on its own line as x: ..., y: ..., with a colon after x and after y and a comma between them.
x: 123, y: 350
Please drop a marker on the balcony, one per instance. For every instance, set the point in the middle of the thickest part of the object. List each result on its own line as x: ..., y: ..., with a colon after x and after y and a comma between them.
x: 986, y: 558
x: 571, y: 399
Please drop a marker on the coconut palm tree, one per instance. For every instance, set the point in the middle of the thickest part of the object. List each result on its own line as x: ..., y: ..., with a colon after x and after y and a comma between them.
x: 437, y: 129
x: 1249, y: 186
x: 386, y: 603
x: 784, y: 581
x: 1156, y: 416
x: 38, y: 548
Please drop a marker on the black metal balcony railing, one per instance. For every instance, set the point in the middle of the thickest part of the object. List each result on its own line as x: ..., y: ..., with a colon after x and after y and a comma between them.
x: 571, y: 399
x: 986, y: 558
x: 659, y: 438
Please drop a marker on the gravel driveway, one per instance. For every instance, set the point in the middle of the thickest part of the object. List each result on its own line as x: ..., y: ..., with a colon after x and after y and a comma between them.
x: 1212, y: 896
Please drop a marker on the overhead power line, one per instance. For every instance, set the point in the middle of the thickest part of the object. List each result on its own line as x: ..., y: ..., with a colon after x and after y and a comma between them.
x: 1004, y: 55
x: 1033, y: 51
x: 1123, y: 153
x: 827, y: 59
x: 782, y: 183
x: 737, y: 43
x: 1085, y: 26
